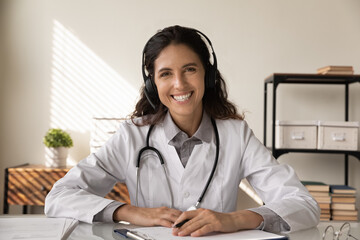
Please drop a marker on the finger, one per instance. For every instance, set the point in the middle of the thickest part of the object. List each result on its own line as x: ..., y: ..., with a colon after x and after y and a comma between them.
x: 166, y: 216
x: 172, y: 216
x: 185, y: 216
x: 191, y: 226
x: 165, y: 223
x: 204, y: 222
x: 208, y: 228
x: 169, y: 211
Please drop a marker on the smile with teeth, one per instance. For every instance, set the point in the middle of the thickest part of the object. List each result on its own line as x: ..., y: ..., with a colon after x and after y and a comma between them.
x: 182, y: 98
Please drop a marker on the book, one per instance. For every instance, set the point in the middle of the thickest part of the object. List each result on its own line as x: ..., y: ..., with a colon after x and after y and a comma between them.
x: 343, y: 206
x: 351, y: 199
x: 345, y: 212
x: 342, y: 189
x: 324, y: 211
x: 316, y: 186
x: 319, y: 194
x: 345, y: 218
x: 337, y: 73
x: 336, y: 70
x: 324, y: 205
x: 342, y: 195
x: 322, y: 199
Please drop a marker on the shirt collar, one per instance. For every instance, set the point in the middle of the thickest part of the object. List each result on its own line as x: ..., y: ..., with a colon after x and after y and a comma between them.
x: 203, y: 133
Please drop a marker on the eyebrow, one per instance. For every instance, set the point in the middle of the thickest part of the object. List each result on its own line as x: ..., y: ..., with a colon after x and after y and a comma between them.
x: 184, y: 66
x: 190, y: 64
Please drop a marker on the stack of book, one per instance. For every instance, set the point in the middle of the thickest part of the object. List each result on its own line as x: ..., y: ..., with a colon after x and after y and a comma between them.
x: 320, y: 192
x: 336, y: 70
x: 343, y: 203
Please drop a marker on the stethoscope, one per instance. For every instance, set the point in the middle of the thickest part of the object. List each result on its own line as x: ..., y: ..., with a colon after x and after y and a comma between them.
x: 147, y: 147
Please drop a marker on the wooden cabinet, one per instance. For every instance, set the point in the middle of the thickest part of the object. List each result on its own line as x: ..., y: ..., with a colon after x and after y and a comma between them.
x: 28, y: 185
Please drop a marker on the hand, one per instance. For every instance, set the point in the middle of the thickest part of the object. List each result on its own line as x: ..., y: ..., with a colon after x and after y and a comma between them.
x: 203, y: 221
x: 162, y: 216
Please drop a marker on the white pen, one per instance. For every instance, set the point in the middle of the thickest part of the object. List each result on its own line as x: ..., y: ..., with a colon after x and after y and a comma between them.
x: 128, y: 234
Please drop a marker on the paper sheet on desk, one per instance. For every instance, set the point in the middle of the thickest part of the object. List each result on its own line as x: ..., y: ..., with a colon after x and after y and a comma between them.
x: 36, y: 228
x: 163, y: 233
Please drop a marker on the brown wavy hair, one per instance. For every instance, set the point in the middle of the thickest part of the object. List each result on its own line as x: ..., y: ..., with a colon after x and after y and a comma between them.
x: 215, y: 100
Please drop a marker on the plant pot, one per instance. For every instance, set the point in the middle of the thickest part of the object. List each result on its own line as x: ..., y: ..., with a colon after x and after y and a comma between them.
x: 56, y: 157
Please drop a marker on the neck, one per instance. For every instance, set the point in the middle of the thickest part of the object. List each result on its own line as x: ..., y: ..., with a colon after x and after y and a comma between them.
x: 189, y: 125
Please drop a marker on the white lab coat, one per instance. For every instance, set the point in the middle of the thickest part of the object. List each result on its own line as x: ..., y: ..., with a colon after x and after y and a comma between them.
x: 80, y: 193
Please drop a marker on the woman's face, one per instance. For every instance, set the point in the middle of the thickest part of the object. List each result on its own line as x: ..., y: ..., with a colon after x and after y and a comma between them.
x: 179, y: 77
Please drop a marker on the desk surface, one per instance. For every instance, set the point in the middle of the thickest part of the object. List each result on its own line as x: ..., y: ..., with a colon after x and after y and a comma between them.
x: 104, y: 231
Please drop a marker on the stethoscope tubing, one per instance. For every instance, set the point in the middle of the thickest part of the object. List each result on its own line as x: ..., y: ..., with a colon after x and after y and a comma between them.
x: 147, y: 147
x: 215, y: 163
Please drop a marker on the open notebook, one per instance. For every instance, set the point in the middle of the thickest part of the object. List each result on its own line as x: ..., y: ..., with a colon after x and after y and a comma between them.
x: 35, y: 228
x: 163, y: 233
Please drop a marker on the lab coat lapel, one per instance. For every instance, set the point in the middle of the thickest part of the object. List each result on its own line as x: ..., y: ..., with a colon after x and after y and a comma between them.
x: 173, y: 162
x: 171, y: 158
x: 200, y: 161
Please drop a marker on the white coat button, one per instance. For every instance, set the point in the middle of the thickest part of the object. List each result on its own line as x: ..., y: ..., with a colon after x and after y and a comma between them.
x: 186, y: 194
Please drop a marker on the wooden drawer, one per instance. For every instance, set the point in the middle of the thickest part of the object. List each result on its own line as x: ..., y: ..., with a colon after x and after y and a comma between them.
x: 29, y: 185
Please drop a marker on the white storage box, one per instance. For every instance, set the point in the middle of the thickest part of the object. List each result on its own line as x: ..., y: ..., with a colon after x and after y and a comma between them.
x: 338, y: 135
x: 296, y: 134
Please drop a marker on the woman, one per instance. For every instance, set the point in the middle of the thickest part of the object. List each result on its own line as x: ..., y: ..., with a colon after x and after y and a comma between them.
x: 206, y: 148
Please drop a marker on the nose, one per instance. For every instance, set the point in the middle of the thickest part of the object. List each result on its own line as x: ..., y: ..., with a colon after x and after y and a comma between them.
x: 179, y: 80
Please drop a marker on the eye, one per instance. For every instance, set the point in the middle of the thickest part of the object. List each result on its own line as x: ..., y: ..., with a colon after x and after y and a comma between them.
x: 190, y: 69
x: 165, y: 74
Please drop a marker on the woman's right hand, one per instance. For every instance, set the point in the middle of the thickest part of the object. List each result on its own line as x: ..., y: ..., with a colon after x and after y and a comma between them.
x: 161, y: 216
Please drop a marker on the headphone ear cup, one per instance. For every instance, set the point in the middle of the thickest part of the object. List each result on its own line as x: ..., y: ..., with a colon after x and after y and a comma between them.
x: 210, y: 76
x: 151, y: 92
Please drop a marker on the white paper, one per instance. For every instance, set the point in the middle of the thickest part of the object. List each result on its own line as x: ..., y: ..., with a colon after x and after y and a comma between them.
x: 163, y: 233
x: 36, y: 228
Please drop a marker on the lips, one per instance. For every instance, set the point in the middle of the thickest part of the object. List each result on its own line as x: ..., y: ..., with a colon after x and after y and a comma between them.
x: 182, y: 98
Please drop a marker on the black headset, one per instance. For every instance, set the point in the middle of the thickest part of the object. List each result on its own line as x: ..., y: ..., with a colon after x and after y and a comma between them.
x: 150, y: 87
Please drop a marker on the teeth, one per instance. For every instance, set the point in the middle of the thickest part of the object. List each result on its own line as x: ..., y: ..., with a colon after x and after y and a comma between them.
x: 182, y: 97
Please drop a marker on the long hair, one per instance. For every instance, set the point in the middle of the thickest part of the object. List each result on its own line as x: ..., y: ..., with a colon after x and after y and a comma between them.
x: 215, y: 100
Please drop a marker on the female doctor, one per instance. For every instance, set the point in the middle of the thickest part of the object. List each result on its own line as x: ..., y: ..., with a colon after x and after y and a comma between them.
x: 183, y: 154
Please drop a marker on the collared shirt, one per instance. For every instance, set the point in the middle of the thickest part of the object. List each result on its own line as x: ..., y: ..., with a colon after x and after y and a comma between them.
x: 181, y: 141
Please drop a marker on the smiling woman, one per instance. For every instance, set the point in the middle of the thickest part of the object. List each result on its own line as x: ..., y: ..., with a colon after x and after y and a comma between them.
x: 179, y: 78
x: 178, y: 39
x: 208, y: 149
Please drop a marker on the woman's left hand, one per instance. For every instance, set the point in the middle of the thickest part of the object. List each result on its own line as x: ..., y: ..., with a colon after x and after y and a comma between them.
x: 203, y: 221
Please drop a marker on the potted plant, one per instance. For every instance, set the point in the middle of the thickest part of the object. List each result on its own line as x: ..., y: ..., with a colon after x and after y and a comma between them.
x: 57, y: 144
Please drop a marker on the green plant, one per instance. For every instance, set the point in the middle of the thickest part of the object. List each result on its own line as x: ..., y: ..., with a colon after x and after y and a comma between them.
x: 57, y: 138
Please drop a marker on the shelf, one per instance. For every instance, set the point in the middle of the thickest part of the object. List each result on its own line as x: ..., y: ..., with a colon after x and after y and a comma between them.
x: 278, y: 152
x: 290, y: 78
x: 302, y: 78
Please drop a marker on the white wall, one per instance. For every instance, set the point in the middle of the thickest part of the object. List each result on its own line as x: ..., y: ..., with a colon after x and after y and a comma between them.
x: 66, y: 61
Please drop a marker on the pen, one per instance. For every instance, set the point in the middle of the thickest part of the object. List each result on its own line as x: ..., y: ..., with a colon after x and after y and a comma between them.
x: 181, y: 223
x: 128, y: 234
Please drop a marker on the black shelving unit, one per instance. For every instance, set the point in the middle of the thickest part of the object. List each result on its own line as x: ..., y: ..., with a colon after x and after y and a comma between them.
x: 291, y: 78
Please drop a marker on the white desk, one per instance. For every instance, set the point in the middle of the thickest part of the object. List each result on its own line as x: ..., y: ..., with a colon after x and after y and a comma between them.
x: 104, y: 231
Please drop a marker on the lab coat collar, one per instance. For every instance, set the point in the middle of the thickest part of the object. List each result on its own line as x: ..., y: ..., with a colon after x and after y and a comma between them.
x: 203, y: 133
